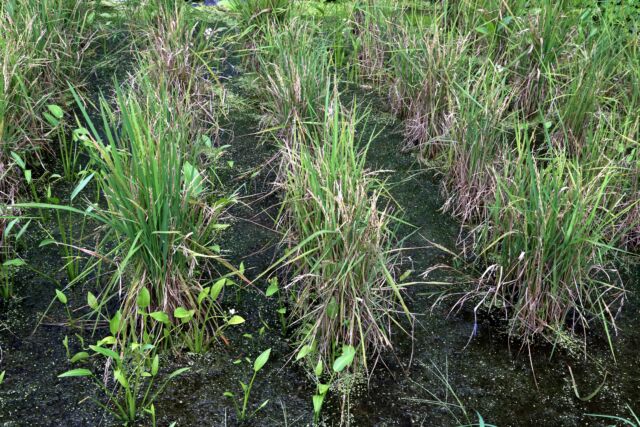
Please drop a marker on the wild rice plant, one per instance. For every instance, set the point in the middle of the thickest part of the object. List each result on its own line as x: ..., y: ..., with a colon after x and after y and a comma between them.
x: 344, y: 285
x: 294, y: 73
x: 371, y: 29
x: 548, y: 248
x: 256, y: 14
x: 424, y: 66
x: 254, y: 19
x: 42, y: 47
x: 162, y: 216
x: 173, y: 50
x: 477, y: 137
x: 160, y: 209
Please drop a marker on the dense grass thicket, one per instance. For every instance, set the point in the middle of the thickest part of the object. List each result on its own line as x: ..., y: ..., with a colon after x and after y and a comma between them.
x: 527, y: 111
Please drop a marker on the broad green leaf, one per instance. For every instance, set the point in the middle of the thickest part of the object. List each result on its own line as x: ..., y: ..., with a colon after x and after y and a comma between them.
x: 121, y: 378
x: 110, y: 340
x: 92, y: 301
x: 273, y: 288
x: 16, y: 158
x: 56, y: 111
x: 82, y: 355
x: 228, y: 394
x: 348, y: 353
x: 16, y: 262
x: 217, y: 288
x: 2, y: 377
x: 203, y: 294
x: 160, y: 316
x: 261, y: 360
x: 155, y: 365
x: 144, y: 298
x: 332, y: 308
x: 183, y: 314
x: 193, y: 179
x: 80, y: 372
x: 61, y: 297
x: 236, y: 320
x: 105, y: 352
x: 115, y: 323
x: 281, y: 310
x: 304, y: 351
x: 323, y: 388
x: 319, y: 368
x: 317, y: 403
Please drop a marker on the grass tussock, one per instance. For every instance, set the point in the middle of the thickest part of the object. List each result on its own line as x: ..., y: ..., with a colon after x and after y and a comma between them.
x: 43, y: 46
x: 548, y: 246
x: 163, y: 212
x: 345, y: 289
x: 293, y: 80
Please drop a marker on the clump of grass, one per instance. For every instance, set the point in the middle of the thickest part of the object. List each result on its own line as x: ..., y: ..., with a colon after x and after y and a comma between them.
x: 477, y: 138
x: 294, y: 80
x: 162, y: 214
x: 345, y: 289
x: 424, y: 67
x: 548, y: 247
x: 173, y: 50
x: 371, y: 28
x: 254, y: 18
x: 42, y: 46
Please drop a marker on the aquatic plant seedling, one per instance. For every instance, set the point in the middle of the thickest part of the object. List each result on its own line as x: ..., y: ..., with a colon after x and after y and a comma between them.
x: 272, y: 290
x: 134, y: 369
x: 200, y: 326
x: 241, y: 412
x: 322, y: 387
x: 68, y: 149
x: 8, y: 258
x: 71, y: 226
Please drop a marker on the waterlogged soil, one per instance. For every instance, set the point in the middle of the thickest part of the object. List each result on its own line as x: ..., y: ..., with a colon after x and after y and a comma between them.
x: 444, y: 375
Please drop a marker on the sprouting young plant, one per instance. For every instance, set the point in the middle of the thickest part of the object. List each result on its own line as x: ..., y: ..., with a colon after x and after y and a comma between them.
x: 241, y: 412
x: 62, y: 298
x: 321, y: 392
x: 71, y: 228
x: 68, y: 150
x: 272, y: 290
x: 342, y: 362
x: 9, y: 261
x: 199, y: 326
x: 135, y: 369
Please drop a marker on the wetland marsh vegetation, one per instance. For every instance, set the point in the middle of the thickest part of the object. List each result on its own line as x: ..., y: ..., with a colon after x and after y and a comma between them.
x: 356, y: 212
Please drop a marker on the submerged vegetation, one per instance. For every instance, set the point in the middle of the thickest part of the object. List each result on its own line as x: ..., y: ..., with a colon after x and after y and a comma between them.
x: 122, y: 126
